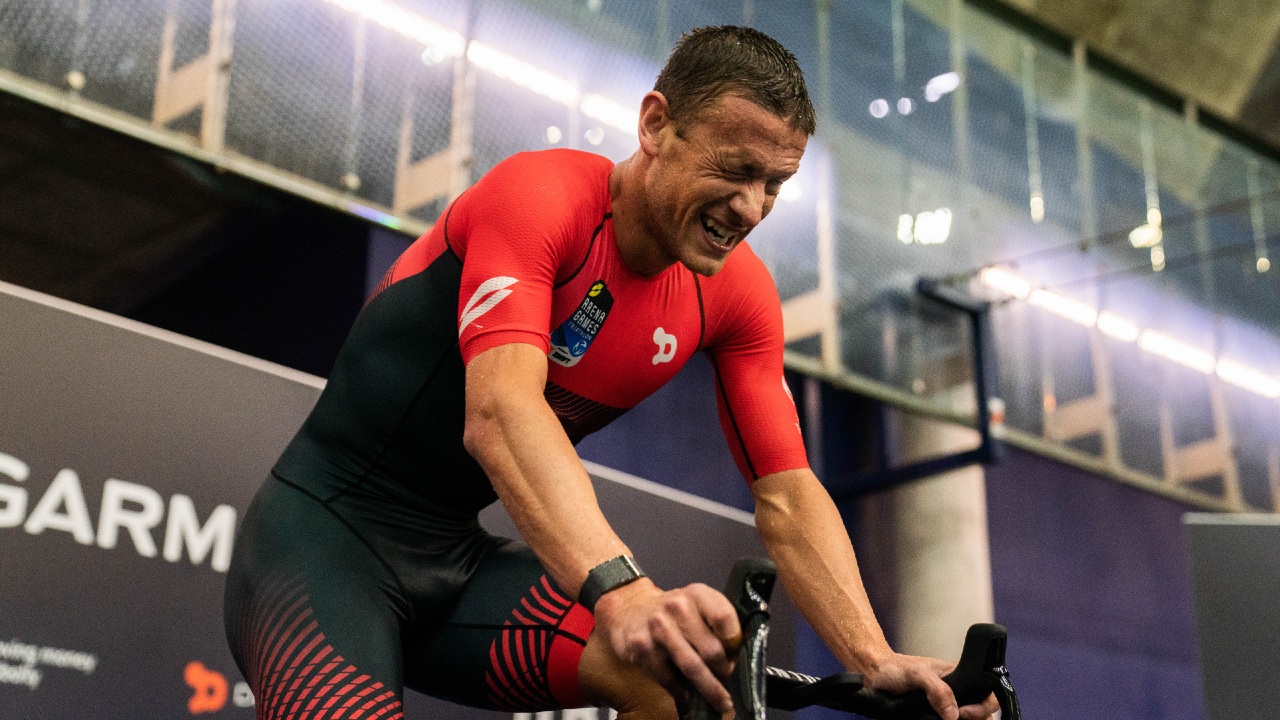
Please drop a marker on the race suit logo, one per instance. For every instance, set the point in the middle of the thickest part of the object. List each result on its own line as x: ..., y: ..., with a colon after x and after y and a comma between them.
x: 570, y: 341
x: 666, y: 346
x: 209, y: 688
x: 489, y: 294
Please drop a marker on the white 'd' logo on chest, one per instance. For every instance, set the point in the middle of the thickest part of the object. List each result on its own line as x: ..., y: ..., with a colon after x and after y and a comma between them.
x: 666, y: 346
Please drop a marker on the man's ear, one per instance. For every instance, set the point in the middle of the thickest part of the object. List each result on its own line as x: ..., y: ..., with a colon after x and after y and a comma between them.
x: 655, y: 116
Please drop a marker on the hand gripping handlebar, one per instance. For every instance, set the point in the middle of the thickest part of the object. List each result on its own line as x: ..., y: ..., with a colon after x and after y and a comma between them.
x: 755, y: 686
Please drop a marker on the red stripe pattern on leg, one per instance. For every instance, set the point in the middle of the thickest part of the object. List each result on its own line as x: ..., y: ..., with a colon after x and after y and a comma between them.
x: 533, y: 665
x: 295, y: 673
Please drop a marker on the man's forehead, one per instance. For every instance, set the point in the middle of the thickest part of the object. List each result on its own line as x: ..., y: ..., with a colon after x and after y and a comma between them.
x: 747, y: 132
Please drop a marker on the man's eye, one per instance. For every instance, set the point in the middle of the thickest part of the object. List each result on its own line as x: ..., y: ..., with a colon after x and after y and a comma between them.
x: 773, y: 188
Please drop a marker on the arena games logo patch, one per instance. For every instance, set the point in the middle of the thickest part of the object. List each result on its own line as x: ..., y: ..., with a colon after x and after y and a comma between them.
x: 570, y: 341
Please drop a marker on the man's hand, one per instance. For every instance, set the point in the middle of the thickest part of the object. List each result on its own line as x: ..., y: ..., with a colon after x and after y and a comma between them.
x: 904, y: 673
x: 676, y: 635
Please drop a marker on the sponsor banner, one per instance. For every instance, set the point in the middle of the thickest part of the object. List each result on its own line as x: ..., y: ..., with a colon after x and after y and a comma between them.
x: 127, y: 456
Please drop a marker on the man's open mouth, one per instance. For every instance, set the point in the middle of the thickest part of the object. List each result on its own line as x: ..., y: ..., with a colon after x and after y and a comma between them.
x: 719, y: 234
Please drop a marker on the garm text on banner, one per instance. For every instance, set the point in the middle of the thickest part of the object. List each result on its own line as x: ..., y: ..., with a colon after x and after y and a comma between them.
x: 136, y: 509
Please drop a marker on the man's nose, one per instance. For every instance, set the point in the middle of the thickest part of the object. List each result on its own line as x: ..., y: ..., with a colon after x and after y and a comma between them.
x: 749, y: 204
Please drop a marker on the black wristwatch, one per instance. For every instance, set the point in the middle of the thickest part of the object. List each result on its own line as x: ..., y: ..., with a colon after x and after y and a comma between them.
x: 608, y: 575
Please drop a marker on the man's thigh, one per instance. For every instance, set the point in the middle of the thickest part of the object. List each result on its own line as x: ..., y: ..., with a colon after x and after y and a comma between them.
x: 310, y: 614
x: 512, y: 642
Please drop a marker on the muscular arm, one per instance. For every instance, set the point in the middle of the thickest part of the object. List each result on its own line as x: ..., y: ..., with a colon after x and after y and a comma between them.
x: 516, y: 438
x: 805, y: 536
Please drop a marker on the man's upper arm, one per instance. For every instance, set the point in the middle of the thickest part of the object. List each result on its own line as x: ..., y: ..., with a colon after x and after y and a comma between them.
x: 757, y: 412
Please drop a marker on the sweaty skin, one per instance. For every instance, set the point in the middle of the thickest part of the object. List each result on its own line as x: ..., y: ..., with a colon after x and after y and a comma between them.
x: 689, y: 195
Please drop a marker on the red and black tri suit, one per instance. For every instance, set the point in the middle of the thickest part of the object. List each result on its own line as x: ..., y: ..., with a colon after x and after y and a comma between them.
x: 361, y: 568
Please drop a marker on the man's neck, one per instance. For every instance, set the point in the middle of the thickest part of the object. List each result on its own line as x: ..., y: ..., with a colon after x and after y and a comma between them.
x: 638, y: 248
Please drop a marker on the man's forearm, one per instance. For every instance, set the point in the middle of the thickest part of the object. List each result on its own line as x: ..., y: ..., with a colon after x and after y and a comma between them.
x: 805, y: 536
x: 516, y: 438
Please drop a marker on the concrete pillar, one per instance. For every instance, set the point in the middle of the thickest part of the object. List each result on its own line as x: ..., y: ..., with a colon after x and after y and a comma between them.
x: 942, y: 555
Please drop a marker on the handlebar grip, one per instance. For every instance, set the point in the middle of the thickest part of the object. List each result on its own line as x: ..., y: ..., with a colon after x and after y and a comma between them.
x: 980, y: 671
x: 973, y: 679
x: 750, y: 585
x: 984, y: 647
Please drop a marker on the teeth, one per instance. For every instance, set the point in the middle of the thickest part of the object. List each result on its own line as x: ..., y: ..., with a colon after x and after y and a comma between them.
x: 719, y: 232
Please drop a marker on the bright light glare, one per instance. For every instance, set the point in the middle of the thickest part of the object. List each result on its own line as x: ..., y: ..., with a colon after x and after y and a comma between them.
x: 1114, y: 326
x: 1145, y: 235
x: 879, y: 108
x: 791, y: 191
x: 1064, y: 307
x: 434, y: 55
x: 595, y: 135
x: 443, y: 42
x: 1171, y: 349
x: 523, y: 74
x: 941, y: 85
x: 905, y: 106
x: 905, y: 222
x: 1263, y: 265
x: 1248, y: 378
x: 1037, y: 208
x: 1157, y: 258
x: 553, y: 135
x: 614, y: 114
x: 1004, y: 280
x: 933, y: 227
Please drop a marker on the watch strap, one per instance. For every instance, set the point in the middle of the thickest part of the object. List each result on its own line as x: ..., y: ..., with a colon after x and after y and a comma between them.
x: 608, y: 575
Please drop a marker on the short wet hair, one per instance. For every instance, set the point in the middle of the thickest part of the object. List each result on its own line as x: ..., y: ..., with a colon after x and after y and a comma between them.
x: 729, y: 60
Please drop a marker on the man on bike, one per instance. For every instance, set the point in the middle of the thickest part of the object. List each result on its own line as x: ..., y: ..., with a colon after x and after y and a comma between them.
x: 552, y: 296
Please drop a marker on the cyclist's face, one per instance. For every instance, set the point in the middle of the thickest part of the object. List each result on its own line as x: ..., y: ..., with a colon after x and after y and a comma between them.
x: 717, y: 175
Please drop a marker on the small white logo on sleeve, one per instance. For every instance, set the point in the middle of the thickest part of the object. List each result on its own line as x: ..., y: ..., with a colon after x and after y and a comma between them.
x: 666, y: 346
x: 490, y: 293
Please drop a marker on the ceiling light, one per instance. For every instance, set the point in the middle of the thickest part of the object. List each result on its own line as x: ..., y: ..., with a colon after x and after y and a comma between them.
x: 1004, y: 280
x: 1037, y: 208
x: 879, y: 108
x: 1114, y: 326
x: 1145, y: 235
x: 1169, y: 348
x: 1248, y: 378
x: 941, y: 85
x: 609, y: 112
x: 905, y: 222
x: 932, y: 227
x: 1064, y: 307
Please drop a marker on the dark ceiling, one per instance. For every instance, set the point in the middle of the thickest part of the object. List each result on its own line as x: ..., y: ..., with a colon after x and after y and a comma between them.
x: 1224, y: 54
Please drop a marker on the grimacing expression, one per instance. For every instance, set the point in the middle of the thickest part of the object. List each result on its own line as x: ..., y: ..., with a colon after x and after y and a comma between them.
x: 718, y: 175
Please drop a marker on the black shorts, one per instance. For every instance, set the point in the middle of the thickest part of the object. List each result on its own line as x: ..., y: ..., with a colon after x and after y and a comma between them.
x: 337, y: 601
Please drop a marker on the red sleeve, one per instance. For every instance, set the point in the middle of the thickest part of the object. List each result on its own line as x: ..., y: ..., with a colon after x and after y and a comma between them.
x: 515, y: 230
x: 757, y: 412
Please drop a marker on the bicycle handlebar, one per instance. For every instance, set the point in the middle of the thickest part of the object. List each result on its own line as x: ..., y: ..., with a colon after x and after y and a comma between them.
x: 755, y: 686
